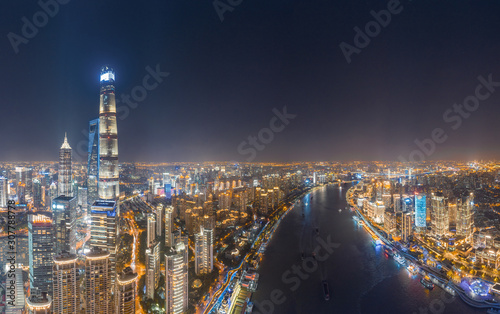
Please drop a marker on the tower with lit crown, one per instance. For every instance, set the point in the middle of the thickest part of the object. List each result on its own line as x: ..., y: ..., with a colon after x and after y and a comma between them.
x: 64, y: 181
x: 108, y: 138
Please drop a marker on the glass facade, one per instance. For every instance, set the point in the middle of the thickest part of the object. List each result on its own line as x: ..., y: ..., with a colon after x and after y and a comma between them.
x: 93, y: 162
x: 420, y: 211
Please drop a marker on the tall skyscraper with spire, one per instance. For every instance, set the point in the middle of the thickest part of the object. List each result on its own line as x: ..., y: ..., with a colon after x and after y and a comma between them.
x: 108, y: 138
x: 65, y: 174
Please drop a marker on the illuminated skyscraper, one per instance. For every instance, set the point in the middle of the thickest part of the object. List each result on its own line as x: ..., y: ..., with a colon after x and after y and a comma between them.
x: 64, y: 220
x: 420, y: 211
x: 169, y: 235
x: 3, y: 191
x: 37, y: 194
x: 204, y: 251
x: 167, y: 185
x: 40, y: 241
x: 98, y: 282
x: 65, y: 174
x: 151, y: 230
x: 439, y: 215
x: 93, y: 162
x: 66, y: 298
x: 126, y: 291
x: 152, y: 269
x: 103, y: 230
x: 108, y: 139
x: 159, y: 219
x: 176, y: 281
x: 464, y: 216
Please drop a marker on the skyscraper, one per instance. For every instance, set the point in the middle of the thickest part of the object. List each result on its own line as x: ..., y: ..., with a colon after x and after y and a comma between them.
x: 167, y: 185
x: 40, y: 241
x: 169, y: 235
x: 204, y: 251
x: 103, y: 230
x: 65, y: 284
x: 439, y: 215
x: 420, y: 211
x: 64, y: 220
x: 108, y: 139
x: 176, y: 279
x: 152, y: 269
x: 126, y: 291
x: 3, y: 191
x: 98, y: 282
x: 151, y: 230
x: 37, y: 193
x: 159, y: 219
x: 65, y: 174
x: 93, y: 162
x: 464, y: 216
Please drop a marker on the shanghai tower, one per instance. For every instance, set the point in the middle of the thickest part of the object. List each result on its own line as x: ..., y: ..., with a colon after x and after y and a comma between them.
x: 108, y: 138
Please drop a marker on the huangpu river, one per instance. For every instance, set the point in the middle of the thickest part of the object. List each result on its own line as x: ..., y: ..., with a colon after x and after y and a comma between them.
x: 361, y: 278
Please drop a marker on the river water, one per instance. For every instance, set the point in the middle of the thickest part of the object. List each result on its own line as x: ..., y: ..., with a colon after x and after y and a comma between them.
x: 360, y: 277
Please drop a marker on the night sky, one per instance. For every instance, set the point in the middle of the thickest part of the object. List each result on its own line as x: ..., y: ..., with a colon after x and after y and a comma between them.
x: 226, y: 78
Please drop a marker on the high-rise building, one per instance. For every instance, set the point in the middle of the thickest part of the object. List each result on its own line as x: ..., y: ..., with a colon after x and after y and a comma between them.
x: 65, y: 284
x: 52, y: 192
x: 464, y: 220
x: 159, y: 219
x: 93, y: 162
x: 108, y: 139
x: 204, y: 251
x: 98, y: 282
x: 65, y: 176
x: 439, y: 215
x: 176, y: 279
x: 103, y: 230
x: 151, y: 230
x: 83, y: 198
x: 167, y: 185
x: 40, y: 241
x: 39, y: 304
x: 37, y: 194
x: 420, y: 211
x: 4, y: 196
x: 126, y: 291
x: 169, y: 232
x: 152, y: 269
x: 407, y: 226
x: 64, y: 220
x: 24, y: 182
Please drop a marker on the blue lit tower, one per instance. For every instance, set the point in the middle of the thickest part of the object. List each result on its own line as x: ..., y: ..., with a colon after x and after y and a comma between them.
x: 108, y: 138
x: 93, y: 162
x: 420, y: 211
